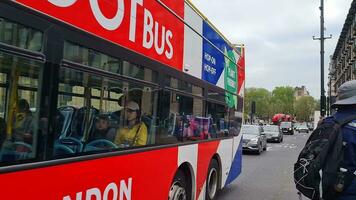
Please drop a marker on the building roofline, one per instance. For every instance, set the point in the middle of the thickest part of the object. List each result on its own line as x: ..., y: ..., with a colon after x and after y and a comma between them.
x: 348, y: 22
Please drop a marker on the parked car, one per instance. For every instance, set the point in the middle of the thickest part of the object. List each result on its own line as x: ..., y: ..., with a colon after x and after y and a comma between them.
x: 287, y: 128
x: 273, y: 133
x: 254, y: 138
x: 302, y: 128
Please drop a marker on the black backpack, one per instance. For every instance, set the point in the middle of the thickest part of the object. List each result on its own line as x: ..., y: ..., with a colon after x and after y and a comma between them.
x: 318, y: 172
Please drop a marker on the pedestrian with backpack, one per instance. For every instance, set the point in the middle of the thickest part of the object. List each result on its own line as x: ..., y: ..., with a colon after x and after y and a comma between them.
x: 326, y: 167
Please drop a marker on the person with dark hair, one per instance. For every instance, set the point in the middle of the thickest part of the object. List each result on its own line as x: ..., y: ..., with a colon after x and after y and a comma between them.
x: 102, y: 128
x: 134, y: 133
x: 23, y: 127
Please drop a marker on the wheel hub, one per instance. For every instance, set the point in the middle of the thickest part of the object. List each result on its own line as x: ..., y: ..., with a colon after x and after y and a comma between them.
x: 177, y: 192
x: 212, y: 183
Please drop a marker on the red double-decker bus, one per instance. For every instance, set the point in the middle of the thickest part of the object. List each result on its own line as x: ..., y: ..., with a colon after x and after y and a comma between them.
x: 116, y: 99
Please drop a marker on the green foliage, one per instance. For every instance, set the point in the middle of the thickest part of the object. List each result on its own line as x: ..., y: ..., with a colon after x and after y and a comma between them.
x: 262, y: 97
x: 280, y: 100
x: 317, y: 105
x: 283, y: 100
x: 304, y: 108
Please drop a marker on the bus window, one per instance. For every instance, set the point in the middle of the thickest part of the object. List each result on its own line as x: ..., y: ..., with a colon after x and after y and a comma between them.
x: 70, y: 92
x: 139, y: 116
x: 216, y: 96
x: 20, y: 79
x: 182, y: 85
x: 94, y: 110
x: 219, y: 119
x: 234, y: 116
x: 18, y: 35
x: 182, y: 118
x: 90, y: 57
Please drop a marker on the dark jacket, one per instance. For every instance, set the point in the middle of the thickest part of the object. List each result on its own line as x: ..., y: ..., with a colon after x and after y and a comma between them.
x: 349, y: 136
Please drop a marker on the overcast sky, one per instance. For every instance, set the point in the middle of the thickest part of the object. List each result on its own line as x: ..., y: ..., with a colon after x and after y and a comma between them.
x: 278, y: 37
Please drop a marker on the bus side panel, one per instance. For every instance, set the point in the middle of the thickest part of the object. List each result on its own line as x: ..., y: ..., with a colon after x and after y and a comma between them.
x: 236, y: 166
x: 146, y: 175
x: 225, y: 152
x: 206, y: 151
x: 189, y: 154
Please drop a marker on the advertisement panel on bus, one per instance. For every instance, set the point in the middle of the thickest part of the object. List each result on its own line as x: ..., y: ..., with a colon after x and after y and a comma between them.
x: 143, y: 26
x: 219, y: 63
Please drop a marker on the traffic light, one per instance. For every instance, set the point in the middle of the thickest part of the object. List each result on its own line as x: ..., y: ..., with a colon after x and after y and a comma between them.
x: 253, y: 107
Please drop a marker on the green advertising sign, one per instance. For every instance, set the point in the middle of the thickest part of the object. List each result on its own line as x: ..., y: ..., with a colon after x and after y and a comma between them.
x: 230, y: 79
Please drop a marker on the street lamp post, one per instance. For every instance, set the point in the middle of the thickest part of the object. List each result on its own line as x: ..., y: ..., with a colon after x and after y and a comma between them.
x: 322, y: 39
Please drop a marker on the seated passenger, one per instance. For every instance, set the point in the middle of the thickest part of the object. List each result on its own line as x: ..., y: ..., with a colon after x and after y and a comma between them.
x: 103, y: 129
x: 135, y: 132
x: 23, y: 127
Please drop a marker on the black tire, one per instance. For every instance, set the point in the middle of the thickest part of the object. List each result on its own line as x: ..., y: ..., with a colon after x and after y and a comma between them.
x: 179, y: 188
x: 212, y: 180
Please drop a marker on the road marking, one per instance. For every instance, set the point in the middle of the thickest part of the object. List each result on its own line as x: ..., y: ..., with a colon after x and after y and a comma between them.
x: 286, y: 146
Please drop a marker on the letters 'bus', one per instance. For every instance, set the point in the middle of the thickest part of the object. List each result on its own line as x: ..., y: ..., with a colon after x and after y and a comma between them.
x: 116, y: 99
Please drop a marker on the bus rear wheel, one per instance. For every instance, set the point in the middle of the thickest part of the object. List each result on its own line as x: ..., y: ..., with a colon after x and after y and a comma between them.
x: 212, y: 181
x: 178, y: 190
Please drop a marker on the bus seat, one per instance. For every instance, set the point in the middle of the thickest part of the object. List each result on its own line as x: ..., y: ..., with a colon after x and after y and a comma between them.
x: 100, y: 144
x: 73, y: 143
x: 148, y: 121
x: 78, y: 125
x: 65, y: 119
x: 17, y: 151
x: 61, y: 149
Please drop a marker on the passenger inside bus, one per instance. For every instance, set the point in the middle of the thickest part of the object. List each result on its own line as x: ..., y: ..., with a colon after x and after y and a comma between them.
x: 103, y: 130
x: 134, y: 132
x: 23, y: 128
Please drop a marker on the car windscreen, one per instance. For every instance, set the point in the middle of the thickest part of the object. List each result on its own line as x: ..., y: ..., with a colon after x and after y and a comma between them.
x: 270, y: 128
x: 286, y: 125
x: 303, y: 126
x: 250, y: 130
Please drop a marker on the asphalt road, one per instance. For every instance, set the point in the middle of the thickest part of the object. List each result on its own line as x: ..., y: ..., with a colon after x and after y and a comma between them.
x: 268, y: 176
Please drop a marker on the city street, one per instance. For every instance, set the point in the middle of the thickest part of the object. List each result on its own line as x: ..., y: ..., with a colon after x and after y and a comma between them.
x: 268, y: 176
